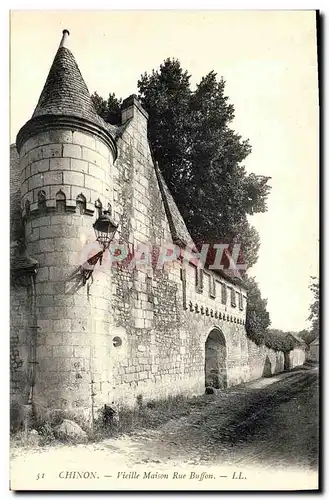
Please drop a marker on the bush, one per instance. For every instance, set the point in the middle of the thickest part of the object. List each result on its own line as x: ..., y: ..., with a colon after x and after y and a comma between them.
x: 279, y: 341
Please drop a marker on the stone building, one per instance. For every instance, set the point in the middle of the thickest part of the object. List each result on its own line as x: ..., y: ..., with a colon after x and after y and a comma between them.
x: 79, y: 340
x: 314, y: 353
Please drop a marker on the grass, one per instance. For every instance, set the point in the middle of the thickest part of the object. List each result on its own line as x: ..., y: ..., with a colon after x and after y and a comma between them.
x: 146, y: 415
x: 151, y: 414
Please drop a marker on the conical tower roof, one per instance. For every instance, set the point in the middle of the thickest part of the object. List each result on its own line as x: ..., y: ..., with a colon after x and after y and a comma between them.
x: 65, y: 101
x: 65, y: 92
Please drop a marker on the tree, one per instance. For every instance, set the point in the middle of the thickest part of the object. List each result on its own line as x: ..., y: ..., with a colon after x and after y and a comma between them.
x: 279, y: 340
x: 257, y: 316
x: 315, y: 308
x: 201, y: 157
x: 109, y: 110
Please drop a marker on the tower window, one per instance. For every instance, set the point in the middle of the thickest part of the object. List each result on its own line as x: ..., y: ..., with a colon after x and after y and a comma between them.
x: 42, y: 207
x: 60, y: 201
x: 27, y: 207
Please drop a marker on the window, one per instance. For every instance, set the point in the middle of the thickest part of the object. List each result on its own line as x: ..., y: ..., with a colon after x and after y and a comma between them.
x: 117, y: 341
x: 60, y: 201
x: 27, y: 207
x: 241, y: 302
x: 42, y: 201
x: 233, y: 297
x: 224, y: 294
x: 212, y: 287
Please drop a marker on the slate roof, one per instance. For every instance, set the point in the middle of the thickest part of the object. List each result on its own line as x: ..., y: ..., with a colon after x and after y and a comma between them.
x: 65, y: 91
x: 232, y: 275
x: 177, y: 225
x: 296, y: 338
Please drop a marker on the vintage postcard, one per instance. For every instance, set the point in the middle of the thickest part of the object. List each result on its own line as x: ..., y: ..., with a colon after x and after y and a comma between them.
x: 164, y: 232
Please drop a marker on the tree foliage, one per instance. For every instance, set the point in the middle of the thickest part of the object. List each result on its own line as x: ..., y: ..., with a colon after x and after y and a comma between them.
x: 279, y: 340
x: 110, y: 109
x: 307, y: 336
x: 315, y: 308
x: 200, y: 155
x: 257, y: 316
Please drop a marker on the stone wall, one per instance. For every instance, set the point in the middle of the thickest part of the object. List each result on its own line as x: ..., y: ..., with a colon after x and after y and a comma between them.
x: 297, y: 357
x: 162, y: 319
x: 21, y: 340
x: 263, y: 361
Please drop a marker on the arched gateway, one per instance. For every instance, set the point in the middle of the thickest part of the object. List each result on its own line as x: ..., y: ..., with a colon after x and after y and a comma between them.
x: 215, y: 360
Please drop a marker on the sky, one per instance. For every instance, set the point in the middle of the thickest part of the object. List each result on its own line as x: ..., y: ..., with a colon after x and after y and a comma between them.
x: 269, y: 62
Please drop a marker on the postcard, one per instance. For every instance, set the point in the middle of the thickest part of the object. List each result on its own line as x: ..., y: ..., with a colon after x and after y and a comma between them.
x: 164, y: 228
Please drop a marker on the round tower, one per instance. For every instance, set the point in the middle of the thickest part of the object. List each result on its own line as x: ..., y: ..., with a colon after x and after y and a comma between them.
x: 66, y: 157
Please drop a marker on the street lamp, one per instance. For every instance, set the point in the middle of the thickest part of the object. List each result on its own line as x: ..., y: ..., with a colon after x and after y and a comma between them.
x: 105, y: 229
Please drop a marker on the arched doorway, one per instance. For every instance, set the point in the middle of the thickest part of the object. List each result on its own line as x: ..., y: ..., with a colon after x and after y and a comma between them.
x: 215, y: 360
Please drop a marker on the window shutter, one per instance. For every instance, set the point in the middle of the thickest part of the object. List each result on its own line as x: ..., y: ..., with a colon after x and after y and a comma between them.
x: 224, y: 294
x: 233, y: 297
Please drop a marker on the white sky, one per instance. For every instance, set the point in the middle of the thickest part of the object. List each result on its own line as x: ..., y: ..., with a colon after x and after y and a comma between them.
x: 268, y: 59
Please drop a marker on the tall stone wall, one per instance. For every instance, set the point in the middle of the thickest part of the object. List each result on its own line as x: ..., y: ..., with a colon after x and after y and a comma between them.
x: 146, y: 306
x: 163, y: 338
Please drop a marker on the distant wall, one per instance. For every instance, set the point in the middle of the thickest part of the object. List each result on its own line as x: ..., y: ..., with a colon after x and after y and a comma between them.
x: 263, y: 361
x: 297, y: 357
x: 313, y: 353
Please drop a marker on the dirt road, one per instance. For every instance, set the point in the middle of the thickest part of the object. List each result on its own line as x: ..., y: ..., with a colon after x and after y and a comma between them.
x: 270, y: 423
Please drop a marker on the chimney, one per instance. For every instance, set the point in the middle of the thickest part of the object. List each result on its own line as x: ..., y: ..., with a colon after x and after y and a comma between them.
x: 66, y: 33
x: 132, y: 109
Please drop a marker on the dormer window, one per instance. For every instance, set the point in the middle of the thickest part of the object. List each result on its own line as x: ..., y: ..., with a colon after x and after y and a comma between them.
x: 199, y: 279
x: 233, y: 297
x: 224, y: 294
x: 241, y: 302
x: 212, y: 287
